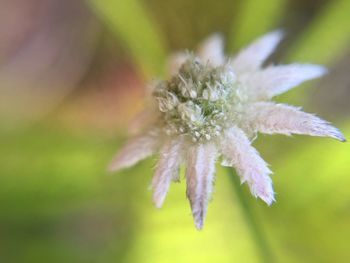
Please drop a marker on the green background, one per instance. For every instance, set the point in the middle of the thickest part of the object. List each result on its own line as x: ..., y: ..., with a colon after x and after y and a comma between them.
x: 58, y: 203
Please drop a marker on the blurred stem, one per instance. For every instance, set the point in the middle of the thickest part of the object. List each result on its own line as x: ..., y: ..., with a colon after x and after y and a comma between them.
x: 257, y: 232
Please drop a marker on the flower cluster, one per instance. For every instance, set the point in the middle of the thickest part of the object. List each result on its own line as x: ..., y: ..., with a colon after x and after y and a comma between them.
x: 213, y: 107
x: 200, y: 101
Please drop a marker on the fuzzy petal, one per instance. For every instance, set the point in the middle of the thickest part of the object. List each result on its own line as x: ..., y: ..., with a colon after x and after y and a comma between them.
x: 238, y: 152
x: 142, y: 120
x: 212, y: 50
x: 275, y: 80
x: 175, y: 61
x: 167, y: 169
x: 135, y: 150
x: 200, y: 176
x: 270, y: 118
x: 251, y: 58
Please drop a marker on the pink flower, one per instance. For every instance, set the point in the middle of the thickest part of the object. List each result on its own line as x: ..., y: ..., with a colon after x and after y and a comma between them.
x: 213, y: 107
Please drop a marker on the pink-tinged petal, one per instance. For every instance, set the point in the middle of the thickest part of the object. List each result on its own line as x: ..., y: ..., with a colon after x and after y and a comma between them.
x: 275, y: 80
x: 252, y: 169
x: 143, y: 120
x: 167, y: 169
x: 212, y: 50
x: 135, y: 150
x: 251, y: 58
x: 200, y: 177
x: 175, y: 61
x: 270, y: 118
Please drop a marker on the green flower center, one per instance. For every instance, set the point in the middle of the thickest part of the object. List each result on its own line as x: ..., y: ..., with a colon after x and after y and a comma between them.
x: 200, y: 101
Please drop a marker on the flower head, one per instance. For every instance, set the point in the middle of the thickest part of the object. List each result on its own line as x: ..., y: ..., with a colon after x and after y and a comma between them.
x: 200, y: 101
x: 213, y: 107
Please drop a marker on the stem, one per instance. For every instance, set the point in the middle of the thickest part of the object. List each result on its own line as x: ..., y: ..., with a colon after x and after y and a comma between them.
x: 255, y: 228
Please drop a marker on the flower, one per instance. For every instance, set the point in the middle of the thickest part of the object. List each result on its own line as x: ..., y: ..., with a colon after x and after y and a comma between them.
x: 213, y: 107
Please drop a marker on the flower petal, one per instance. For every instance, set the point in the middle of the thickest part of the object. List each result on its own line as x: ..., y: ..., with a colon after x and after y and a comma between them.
x: 200, y: 176
x: 167, y: 169
x: 212, y: 50
x: 143, y: 120
x: 238, y: 152
x: 270, y: 118
x: 175, y: 61
x: 135, y: 150
x: 275, y: 80
x: 251, y: 58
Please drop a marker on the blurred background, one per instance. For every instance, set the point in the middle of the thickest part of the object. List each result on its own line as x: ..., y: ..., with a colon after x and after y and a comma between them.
x: 72, y: 76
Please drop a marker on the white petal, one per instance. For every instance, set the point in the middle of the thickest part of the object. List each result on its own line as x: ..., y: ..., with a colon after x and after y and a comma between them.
x: 212, y: 50
x: 252, y: 57
x: 238, y: 152
x: 142, y: 120
x: 270, y: 118
x: 135, y: 150
x: 276, y: 80
x: 200, y: 176
x: 167, y: 169
x: 175, y: 61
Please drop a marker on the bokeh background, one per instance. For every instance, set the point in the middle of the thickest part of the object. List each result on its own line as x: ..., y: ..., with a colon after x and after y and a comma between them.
x: 72, y: 76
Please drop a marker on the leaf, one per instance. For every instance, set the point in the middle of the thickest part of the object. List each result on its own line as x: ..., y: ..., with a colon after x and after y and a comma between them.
x: 134, y: 26
x: 313, y: 200
x: 326, y: 38
x: 255, y: 18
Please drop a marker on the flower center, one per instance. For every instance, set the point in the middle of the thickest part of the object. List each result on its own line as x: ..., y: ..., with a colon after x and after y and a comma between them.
x: 200, y: 101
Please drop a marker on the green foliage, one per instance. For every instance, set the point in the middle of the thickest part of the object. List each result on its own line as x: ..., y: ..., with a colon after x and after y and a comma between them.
x: 255, y: 18
x: 310, y: 219
x: 324, y: 41
x: 327, y: 38
x: 58, y: 204
x: 133, y: 26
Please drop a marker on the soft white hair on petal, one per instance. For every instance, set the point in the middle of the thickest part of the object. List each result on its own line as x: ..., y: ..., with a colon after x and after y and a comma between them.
x: 167, y: 169
x: 251, y: 58
x: 142, y: 120
x: 276, y: 80
x: 252, y: 169
x: 212, y: 50
x: 200, y: 177
x: 270, y: 118
x: 135, y: 150
x: 175, y: 61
